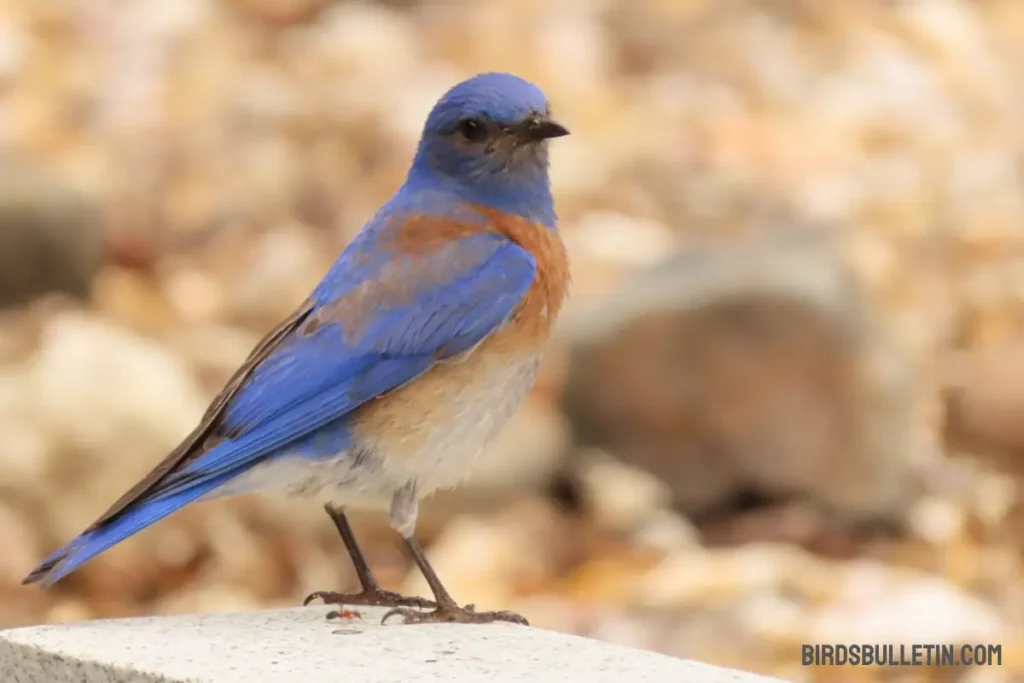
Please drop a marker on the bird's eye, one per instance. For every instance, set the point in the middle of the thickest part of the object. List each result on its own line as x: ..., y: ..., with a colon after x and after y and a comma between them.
x: 472, y: 129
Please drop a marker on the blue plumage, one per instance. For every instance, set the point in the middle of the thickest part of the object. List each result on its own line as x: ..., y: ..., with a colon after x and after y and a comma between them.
x: 310, y: 381
x: 427, y: 279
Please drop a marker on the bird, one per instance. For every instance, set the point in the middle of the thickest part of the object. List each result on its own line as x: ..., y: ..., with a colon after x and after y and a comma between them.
x: 406, y: 359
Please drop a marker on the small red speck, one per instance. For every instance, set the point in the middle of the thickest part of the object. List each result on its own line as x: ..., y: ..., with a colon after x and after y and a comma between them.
x: 348, y: 614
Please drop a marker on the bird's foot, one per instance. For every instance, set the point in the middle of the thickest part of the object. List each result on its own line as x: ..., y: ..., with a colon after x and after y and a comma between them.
x: 453, y: 614
x: 371, y: 597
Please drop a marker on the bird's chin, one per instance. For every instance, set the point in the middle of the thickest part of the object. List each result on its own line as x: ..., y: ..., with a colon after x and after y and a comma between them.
x: 530, y: 154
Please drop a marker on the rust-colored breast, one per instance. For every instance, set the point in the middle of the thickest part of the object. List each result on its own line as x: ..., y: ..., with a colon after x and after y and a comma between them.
x: 532, y: 322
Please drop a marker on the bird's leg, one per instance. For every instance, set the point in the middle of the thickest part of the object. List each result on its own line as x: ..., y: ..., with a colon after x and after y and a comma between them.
x: 446, y: 610
x: 372, y: 593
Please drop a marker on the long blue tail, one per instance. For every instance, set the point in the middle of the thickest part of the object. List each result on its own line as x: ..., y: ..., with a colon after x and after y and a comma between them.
x: 137, y: 517
x: 280, y: 430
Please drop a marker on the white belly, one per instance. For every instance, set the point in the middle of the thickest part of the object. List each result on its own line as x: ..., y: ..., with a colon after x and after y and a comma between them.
x: 443, y: 451
x: 427, y: 434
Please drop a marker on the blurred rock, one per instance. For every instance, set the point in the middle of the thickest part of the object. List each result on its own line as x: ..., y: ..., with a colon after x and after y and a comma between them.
x: 195, y: 295
x: 69, y: 611
x: 240, y: 556
x: 878, y: 604
x: 691, y: 579
x: 283, y: 270
x: 625, y: 630
x: 994, y: 498
x: 667, y: 531
x: 19, y: 607
x: 749, y: 367
x: 984, y: 402
x: 26, y: 449
x: 617, y: 496
x: 614, y: 576
x: 554, y: 613
x: 50, y: 238
x: 215, y: 351
x: 210, y: 598
x: 799, y: 522
x: 280, y: 13
x: 100, y: 388
x: 19, y: 543
x: 936, y: 520
x: 133, y: 300
x: 622, y: 239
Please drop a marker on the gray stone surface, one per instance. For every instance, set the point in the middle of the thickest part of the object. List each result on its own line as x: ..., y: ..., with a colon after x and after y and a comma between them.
x: 298, y: 646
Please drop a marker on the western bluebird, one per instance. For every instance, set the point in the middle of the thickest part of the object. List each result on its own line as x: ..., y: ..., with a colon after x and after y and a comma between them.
x: 410, y: 354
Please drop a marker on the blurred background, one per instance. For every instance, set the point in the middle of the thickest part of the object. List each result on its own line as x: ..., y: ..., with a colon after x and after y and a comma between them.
x: 785, y: 403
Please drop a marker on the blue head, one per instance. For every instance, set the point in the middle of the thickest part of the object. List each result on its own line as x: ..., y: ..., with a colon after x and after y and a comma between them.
x: 487, y: 139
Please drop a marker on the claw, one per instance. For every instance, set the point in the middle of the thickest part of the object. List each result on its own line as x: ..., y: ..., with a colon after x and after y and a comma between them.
x: 453, y: 614
x: 375, y: 598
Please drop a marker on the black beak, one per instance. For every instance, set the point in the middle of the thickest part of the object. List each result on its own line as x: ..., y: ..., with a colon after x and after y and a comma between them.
x: 537, y: 129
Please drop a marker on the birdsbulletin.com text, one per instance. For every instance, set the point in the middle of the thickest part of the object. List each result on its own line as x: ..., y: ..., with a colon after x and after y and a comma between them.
x: 901, y: 655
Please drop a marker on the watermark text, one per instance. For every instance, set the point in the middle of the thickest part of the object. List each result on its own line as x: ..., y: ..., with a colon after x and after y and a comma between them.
x: 901, y: 655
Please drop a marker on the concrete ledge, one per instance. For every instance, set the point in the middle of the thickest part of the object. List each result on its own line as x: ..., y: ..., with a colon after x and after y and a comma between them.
x: 298, y: 646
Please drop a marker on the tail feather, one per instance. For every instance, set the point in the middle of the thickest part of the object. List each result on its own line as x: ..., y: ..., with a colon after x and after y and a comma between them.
x: 140, y: 515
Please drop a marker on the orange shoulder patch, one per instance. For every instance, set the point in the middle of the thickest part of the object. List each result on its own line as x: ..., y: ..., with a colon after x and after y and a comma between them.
x: 422, y: 234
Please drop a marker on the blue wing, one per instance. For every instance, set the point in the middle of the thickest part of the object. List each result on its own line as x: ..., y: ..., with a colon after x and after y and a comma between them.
x: 375, y: 323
